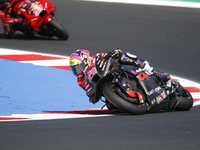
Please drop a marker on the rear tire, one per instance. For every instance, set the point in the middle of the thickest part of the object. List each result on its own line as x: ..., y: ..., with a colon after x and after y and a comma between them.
x: 121, y: 103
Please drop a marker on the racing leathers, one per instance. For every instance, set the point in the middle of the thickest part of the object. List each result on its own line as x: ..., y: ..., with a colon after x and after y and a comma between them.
x: 126, y: 59
x: 17, y: 7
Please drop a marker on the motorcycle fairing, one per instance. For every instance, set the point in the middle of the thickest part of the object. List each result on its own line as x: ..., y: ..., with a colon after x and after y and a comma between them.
x: 37, y: 12
x: 96, y: 76
x: 155, y: 93
x: 102, y: 65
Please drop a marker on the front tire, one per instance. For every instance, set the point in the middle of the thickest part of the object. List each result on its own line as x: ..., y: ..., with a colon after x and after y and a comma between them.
x: 58, y: 30
x: 185, y: 101
x: 115, y: 99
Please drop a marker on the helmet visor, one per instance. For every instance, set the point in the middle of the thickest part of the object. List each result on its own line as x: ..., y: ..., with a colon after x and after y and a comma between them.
x: 75, y: 69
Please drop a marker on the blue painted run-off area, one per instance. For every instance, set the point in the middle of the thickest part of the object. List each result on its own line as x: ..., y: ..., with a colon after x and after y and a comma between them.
x: 29, y: 89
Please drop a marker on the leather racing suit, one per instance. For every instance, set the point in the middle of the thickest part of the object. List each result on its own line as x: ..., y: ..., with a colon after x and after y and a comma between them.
x: 17, y: 7
x: 126, y: 59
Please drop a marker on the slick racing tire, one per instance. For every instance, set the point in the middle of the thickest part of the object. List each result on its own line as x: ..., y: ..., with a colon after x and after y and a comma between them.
x: 58, y: 30
x: 121, y: 103
x: 185, y: 101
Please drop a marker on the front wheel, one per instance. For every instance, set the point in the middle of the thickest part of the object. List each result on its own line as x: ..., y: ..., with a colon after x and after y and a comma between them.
x: 185, y: 100
x: 58, y: 30
x: 115, y: 99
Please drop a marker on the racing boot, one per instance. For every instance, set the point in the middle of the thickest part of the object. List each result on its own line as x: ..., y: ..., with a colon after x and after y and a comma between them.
x: 111, y: 107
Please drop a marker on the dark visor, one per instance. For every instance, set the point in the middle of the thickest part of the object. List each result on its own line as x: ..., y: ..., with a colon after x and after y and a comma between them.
x: 75, y: 69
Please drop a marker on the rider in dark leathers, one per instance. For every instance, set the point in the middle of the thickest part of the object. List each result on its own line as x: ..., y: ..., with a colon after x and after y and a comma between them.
x: 123, y: 58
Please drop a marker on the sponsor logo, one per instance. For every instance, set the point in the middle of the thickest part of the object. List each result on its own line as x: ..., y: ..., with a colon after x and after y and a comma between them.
x: 35, y: 8
x: 143, y: 76
x: 101, y: 64
x: 160, y: 97
x: 104, y: 66
x: 154, y: 90
x: 153, y: 102
x: 87, y: 86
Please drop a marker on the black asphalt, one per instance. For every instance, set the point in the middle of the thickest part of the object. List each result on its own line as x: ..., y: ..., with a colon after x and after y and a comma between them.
x: 168, y: 37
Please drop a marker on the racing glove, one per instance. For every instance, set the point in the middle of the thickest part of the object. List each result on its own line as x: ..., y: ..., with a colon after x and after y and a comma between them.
x: 19, y: 21
x: 115, y: 54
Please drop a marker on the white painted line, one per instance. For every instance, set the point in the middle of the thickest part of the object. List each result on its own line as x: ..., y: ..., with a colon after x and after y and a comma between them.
x: 195, y: 95
x: 4, y: 51
x: 153, y: 2
x: 59, y: 62
x: 65, y: 62
x: 49, y: 116
x: 196, y: 103
x: 186, y: 82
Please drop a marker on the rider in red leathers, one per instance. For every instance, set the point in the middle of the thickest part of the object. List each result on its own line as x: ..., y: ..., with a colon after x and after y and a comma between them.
x: 10, y: 7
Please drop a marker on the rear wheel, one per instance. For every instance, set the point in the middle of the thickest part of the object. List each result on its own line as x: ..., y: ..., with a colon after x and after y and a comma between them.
x: 113, y: 97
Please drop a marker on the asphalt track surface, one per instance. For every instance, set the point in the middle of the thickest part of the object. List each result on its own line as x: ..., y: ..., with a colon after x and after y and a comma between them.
x: 168, y: 37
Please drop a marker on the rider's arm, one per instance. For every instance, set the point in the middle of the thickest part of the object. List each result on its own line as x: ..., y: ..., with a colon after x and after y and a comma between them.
x: 124, y: 58
x: 129, y: 59
x: 81, y: 82
x: 116, y: 54
x: 8, y: 23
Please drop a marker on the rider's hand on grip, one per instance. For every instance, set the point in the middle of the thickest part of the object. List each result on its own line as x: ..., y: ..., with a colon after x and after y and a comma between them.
x: 116, y: 53
x: 19, y: 21
x: 107, y: 56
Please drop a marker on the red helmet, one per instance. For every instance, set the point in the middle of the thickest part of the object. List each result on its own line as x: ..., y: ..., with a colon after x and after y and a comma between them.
x: 4, y: 4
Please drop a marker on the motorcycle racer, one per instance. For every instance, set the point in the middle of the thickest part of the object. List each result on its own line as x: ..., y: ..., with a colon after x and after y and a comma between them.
x: 123, y: 58
x: 10, y: 7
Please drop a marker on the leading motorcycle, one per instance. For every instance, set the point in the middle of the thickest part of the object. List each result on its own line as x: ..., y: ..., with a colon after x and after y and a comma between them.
x: 132, y: 89
x: 40, y: 15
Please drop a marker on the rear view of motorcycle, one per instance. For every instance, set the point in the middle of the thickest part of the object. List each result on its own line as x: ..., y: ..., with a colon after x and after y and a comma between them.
x: 39, y: 18
x: 133, y: 90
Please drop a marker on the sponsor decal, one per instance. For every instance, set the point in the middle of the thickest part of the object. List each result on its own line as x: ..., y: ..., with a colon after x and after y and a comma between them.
x: 36, y: 8
x: 160, y: 97
x: 71, y: 63
x: 101, y: 64
x: 104, y: 66
x: 87, y: 86
x: 143, y: 76
x: 24, y: 5
x: 88, y: 90
x: 153, y: 102
x: 92, y: 71
x: 154, y: 90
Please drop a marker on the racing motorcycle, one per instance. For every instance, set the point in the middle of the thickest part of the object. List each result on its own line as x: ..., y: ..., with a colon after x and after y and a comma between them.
x: 41, y: 17
x: 132, y: 89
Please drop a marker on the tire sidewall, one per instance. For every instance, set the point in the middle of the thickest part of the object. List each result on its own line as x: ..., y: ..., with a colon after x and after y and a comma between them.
x: 121, y: 103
